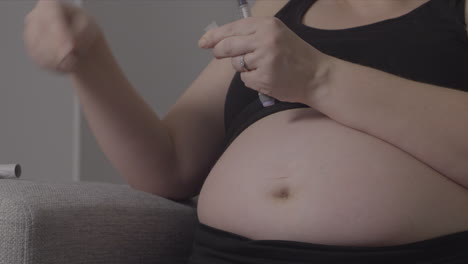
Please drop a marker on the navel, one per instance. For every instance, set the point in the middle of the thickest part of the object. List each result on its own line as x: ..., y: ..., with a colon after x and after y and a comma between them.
x: 283, y: 193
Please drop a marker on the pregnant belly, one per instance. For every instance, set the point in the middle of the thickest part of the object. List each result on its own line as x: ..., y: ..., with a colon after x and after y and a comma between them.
x: 298, y: 175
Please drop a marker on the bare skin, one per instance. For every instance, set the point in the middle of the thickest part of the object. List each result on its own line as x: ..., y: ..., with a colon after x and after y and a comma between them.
x: 299, y: 175
x: 294, y: 175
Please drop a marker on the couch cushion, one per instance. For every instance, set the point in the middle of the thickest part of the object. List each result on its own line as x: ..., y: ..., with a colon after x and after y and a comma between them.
x: 91, y: 223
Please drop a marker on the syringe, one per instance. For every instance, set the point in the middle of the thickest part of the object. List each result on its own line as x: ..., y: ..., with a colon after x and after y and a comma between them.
x: 245, y: 11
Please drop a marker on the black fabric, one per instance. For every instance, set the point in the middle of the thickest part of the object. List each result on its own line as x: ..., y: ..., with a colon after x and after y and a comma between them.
x: 215, y: 246
x: 428, y: 44
x: 252, y: 113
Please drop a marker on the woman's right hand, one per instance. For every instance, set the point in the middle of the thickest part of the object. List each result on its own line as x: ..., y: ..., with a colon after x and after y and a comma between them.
x: 58, y: 35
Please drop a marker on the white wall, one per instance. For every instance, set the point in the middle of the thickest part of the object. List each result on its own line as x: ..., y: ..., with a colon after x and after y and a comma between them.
x: 155, y: 42
x: 36, y: 113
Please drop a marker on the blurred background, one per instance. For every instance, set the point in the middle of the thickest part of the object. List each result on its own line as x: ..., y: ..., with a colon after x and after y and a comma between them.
x: 41, y: 124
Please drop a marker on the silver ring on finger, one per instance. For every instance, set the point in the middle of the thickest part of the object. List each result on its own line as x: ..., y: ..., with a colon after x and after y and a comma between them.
x: 243, y: 64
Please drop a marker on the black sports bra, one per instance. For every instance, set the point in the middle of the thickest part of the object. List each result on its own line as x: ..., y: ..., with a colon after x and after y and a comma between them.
x: 428, y: 44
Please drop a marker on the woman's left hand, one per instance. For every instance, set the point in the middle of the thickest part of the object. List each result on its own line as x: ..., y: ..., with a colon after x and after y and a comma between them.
x: 280, y: 64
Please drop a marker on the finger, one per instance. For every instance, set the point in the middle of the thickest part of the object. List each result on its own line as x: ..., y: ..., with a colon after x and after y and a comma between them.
x: 249, y: 62
x: 234, y: 46
x: 249, y: 78
x: 246, y: 26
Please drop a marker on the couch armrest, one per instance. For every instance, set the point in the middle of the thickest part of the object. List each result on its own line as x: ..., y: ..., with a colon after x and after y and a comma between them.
x: 91, y: 223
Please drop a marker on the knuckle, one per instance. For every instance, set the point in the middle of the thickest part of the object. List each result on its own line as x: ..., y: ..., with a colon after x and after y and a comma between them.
x: 273, y: 22
x: 276, y: 21
x: 227, y: 47
x: 223, y: 49
x: 216, y: 53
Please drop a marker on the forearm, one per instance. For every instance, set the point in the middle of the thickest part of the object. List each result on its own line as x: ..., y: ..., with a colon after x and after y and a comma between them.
x: 426, y: 121
x: 130, y: 134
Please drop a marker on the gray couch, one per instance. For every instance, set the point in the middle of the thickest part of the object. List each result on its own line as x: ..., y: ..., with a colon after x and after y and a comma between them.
x: 91, y: 223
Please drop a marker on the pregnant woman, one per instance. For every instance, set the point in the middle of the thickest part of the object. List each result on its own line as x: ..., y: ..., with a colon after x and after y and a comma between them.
x: 363, y: 158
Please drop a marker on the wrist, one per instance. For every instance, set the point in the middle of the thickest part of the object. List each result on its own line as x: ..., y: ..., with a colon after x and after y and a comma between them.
x: 97, y: 53
x: 319, y: 89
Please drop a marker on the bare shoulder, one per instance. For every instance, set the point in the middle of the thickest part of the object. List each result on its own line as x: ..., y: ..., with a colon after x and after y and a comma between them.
x: 267, y: 7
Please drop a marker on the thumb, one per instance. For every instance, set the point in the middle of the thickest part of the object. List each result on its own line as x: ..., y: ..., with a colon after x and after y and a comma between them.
x: 249, y: 79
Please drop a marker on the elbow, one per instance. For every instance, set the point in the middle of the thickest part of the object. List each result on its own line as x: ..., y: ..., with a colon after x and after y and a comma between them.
x: 176, y: 192
x: 184, y: 193
x: 161, y: 191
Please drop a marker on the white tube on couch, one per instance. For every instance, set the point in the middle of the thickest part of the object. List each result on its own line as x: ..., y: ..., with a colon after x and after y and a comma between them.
x: 10, y: 171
